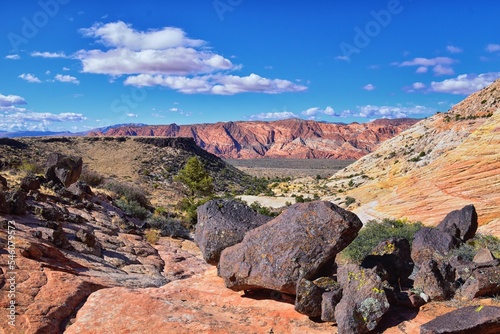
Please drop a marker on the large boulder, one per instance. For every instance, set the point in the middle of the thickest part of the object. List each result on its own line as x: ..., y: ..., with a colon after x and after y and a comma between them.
x: 482, y: 282
x: 17, y: 202
x: 302, y: 242
x: 329, y: 301
x: 393, y: 257
x: 430, y: 243
x: 461, y: 224
x: 63, y: 169
x: 223, y: 223
x: 436, y: 280
x: 466, y: 320
x: 363, y: 302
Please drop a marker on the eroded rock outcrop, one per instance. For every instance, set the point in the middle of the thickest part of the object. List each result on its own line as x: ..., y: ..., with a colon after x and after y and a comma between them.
x: 63, y: 169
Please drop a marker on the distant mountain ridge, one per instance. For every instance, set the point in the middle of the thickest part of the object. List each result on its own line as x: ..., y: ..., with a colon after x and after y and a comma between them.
x: 290, y: 138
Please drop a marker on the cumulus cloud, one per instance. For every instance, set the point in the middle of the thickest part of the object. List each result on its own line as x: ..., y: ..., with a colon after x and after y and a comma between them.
x: 13, y: 57
x: 454, y: 49
x: 440, y: 65
x: 132, y: 115
x: 66, y: 78
x: 167, y: 57
x: 274, y: 115
x: 493, y: 47
x: 122, y: 35
x: 369, y: 87
x: 443, y: 70
x: 32, y: 121
x: 316, y: 111
x: 371, y: 111
x: 216, y: 84
x: 11, y: 100
x: 30, y: 78
x: 465, y: 84
x: 418, y: 85
x: 49, y: 54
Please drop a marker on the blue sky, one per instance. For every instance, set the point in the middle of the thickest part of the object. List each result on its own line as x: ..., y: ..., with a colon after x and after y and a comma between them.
x: 76, y: 65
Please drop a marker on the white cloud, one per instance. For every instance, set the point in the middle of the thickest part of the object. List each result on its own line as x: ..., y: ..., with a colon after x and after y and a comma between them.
x: 443, y: 70
x: 465, y: 83
x: 121, y: 35
x: 65, y: 69
x: 31, y: 78
x: 454, y: 49
x: 418, y: 85
x: 31, y: 121
x: 440, y: 65
x: 48, y: 54
x: 13, y: 57
x: 11, y: 100
x: 371, y: 111
x: 174, y: 61
x: 66, y: 78
x: 369, y: 87
x: 216, y: 84
x: 428, y: 62
x: 274, y: 115
x: 493, y: 47
x: 173, y: 109
x: 422, y: 69
x: 344, y: 58
x: 315, y: 111
x: 132, y: 115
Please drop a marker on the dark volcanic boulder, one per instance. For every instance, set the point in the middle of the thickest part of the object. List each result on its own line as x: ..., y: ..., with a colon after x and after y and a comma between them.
x: 308, y: 298
x: 461, y: 224
x: 299, y: 243
x: 467, y: 320
x: 223, y: 223
x: 30, y: 182
x: 3, y: 182
x: 363, y: 302
x: 4, y: 206
x: 394, y: 257
x: 80, y: 189
x: 482, y: 282
x: 17, y: 202
x: 63, y: 169
x: 329, y: 302
x: 430, y: 243
x: 436, y: 280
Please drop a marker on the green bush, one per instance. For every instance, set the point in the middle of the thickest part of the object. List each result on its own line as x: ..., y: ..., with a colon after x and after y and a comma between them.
x: 168, y: 227
x: 92, y: 178
x: 349, y: 200
x: 263, y: 210
x: 128, y: 192
x: 30, y: 168
x: 132, y: 208
x: 469, y: 249
x: 188, y: 207
x: 374, y: 232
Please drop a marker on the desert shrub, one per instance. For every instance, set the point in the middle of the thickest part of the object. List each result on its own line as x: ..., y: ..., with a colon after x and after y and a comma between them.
x: 469, y: 249
x: 168, y: 227
x: 349, y: 200
x: 188, y: 207
x: 263, y: 210
x: 91, y: 177
x: 128, y: 192
x: 152, y: 236
x: 30, y: 168
x: 132, y: 208
x: 374, y: 232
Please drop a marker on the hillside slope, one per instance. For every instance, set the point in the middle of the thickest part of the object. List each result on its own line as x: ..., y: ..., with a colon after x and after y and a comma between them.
x: 291, y: 138
x: 440, y: 164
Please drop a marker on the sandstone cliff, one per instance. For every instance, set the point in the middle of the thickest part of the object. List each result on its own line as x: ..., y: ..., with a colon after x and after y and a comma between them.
x: 291, y: 138
x: 438, y: 164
